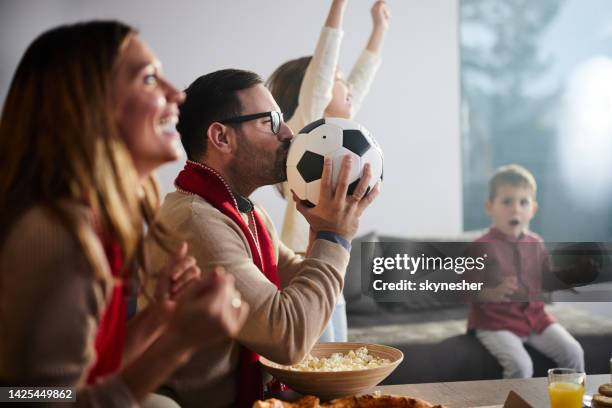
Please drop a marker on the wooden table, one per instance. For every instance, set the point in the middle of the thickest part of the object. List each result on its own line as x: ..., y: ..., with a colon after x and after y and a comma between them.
x: 488, y: 393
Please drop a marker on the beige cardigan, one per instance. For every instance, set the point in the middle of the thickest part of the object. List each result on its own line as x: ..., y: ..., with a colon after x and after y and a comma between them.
x: 282, y: 326
x: 50, y: 306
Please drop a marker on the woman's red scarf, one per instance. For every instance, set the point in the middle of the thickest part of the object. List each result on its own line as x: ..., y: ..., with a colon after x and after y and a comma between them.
x: 199, y: 179
x: 110, y: 338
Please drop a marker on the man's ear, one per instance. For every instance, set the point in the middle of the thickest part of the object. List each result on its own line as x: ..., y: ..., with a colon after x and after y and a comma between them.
x: 218, y: 139
x: 535, y: 208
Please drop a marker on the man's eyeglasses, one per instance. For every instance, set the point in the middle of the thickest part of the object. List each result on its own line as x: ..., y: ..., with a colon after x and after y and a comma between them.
x: 276, y: 118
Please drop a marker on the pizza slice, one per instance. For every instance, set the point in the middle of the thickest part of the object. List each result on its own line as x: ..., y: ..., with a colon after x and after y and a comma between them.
x: 379, y: 401
x: 308, y: 401
x: 364, y: 401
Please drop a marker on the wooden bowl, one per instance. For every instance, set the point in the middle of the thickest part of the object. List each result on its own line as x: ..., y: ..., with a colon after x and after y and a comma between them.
x: 333, y: 384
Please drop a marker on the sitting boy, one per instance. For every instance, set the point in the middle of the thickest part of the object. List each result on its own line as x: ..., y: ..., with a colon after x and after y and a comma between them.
x: 506, y: 316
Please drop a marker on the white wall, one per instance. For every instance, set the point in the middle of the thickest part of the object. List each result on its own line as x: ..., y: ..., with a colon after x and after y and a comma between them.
x: 412, y: 108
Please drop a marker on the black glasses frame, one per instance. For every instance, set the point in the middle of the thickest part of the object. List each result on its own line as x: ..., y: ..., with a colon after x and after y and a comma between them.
x: 276, y: 118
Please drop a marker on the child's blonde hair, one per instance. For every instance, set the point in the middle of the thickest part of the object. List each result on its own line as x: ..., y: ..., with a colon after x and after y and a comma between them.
x: 514, y: 175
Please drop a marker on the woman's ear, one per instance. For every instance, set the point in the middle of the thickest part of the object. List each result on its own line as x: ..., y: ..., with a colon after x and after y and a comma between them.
x: 217, y: 135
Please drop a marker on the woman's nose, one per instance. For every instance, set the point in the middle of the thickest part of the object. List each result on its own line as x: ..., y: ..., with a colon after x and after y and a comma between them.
x: 173, y: 94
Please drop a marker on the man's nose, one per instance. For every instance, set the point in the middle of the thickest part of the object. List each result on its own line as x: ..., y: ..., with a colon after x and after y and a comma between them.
x: 285, y: 132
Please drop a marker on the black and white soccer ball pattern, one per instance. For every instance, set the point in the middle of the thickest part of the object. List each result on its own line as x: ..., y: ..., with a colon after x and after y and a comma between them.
x: 333, y: 138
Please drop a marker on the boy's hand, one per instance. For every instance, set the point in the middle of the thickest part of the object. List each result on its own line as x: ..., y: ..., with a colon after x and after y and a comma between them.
x: 502, y: 292
x: 380, y: 14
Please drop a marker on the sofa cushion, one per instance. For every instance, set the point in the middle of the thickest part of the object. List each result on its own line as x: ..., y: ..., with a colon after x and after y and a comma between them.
x: 356, y: 301
x: 436, y: 347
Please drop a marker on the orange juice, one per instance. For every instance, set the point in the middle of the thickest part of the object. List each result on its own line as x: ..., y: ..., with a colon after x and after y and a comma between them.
x: 565, y: 395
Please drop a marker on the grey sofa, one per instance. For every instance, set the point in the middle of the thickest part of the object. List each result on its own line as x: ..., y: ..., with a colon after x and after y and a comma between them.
x: 434, y: 340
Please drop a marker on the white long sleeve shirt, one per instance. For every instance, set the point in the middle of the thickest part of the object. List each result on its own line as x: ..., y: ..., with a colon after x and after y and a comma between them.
x: 315, y: 95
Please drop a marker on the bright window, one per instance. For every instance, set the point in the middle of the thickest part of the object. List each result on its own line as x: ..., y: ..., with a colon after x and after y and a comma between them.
x: 536, y: 79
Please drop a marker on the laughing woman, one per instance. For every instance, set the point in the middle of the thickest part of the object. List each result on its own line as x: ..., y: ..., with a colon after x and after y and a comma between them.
x: 87, y: 119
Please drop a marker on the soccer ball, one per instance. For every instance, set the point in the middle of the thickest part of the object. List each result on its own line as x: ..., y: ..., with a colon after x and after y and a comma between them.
x: 333, y: 138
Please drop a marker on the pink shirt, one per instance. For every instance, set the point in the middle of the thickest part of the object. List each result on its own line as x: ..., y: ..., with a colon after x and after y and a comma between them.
x: 526, y: 258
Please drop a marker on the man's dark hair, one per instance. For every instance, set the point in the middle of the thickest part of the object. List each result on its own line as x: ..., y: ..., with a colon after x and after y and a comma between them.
x: 210, y: 98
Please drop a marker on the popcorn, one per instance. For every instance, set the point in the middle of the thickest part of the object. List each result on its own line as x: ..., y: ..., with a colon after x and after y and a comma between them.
x: 353, y: 360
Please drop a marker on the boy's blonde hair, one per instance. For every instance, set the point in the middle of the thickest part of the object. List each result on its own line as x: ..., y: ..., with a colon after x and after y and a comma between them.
x: 511, y: 174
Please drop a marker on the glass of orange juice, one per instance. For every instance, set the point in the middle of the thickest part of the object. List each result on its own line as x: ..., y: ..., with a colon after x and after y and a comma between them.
x: 565, y: 387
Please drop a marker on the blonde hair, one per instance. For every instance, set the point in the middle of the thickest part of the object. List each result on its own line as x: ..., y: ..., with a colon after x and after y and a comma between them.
x: 514, y: 175
x: 59, y: 140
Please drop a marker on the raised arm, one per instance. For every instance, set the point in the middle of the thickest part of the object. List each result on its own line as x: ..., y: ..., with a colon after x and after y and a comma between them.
x: 365, y: 68
x: 281, y: 325
x: 336, y: 14
x: 380, y: 25
x: 316, y: 89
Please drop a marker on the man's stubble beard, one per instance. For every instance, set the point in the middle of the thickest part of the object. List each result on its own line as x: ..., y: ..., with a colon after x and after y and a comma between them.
x: 280, y: 168
x: 260, y: 167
